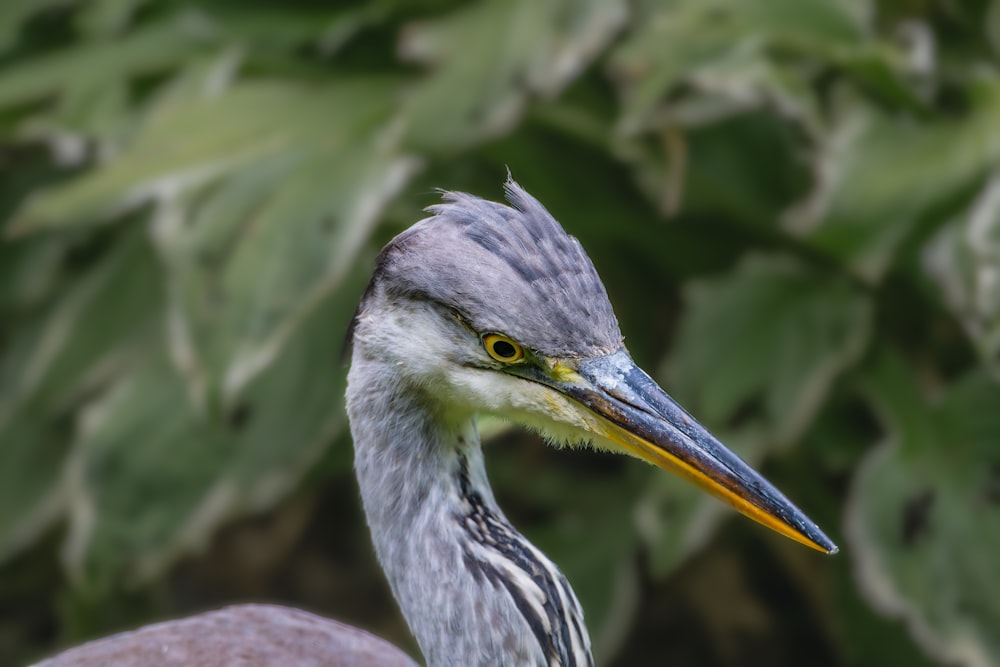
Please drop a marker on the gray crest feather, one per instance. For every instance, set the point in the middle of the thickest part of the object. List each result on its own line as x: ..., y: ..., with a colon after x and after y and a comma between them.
x: 509, y: 269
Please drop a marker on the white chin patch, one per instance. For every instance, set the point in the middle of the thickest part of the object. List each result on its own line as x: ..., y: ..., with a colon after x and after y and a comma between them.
x: 557, y: 418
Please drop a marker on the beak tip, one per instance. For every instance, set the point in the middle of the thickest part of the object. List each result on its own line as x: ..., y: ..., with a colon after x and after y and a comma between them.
x: 639, y: 416
x: 821, y: 542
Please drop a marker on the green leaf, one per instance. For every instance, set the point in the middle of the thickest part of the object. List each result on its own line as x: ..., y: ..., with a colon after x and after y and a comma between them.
x: 274, y: 27
x: 32, y: 458
x: 773, y: 333
x: 91, y: 65
x: 923, y: 515
x: 265, y: 194
x: 273, y: 237
x: 152, y: 476
x: 106, y: 19
x: 293, y: 411
x: 140, y: 476
x: 752, y: 186
x: 868, y: 639
x: 264, y: 247
x: 49, y: 366
x: 188, y: 141
x: 490, y: 56
x: 964, y: 260
x: 29, y: 273
x: 14, y: 13
x: 881, y: 177
x: 91, y: 327
x: 725, y: 52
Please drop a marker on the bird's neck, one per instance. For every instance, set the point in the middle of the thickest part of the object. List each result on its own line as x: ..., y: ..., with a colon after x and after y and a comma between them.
x: 473, y: 590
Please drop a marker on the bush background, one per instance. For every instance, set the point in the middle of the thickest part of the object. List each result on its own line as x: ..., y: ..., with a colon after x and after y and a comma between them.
x: 795, y: 205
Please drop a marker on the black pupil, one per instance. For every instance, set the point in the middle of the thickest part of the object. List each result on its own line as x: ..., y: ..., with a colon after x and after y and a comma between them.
x: 503, y: 349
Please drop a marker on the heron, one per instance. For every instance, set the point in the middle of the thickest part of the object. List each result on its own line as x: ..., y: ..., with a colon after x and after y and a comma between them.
x: 480, y: 308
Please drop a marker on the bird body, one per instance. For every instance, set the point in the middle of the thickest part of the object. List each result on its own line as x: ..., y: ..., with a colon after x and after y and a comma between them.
x: 472, y: 589
x: 488, y: 308
x: 246, y: 635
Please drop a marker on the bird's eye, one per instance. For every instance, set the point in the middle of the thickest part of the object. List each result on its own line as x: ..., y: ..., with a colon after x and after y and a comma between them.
x: 502, y: 348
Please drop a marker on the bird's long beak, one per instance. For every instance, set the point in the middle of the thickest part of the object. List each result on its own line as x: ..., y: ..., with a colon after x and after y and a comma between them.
x: 637, y: 415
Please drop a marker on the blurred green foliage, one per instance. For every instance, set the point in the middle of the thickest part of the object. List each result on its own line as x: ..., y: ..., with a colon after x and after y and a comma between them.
x: 795, y: 205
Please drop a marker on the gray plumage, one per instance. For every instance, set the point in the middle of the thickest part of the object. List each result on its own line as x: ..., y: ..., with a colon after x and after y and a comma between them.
x: 506, y: 268
x: 480, y: 308
x: 249, y: 635
x: 472, y: 589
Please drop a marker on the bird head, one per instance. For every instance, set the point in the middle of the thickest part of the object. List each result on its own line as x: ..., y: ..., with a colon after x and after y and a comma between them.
x: 489, y: 308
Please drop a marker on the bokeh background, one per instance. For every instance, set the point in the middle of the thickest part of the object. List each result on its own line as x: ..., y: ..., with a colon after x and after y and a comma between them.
x: 795, y: 205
